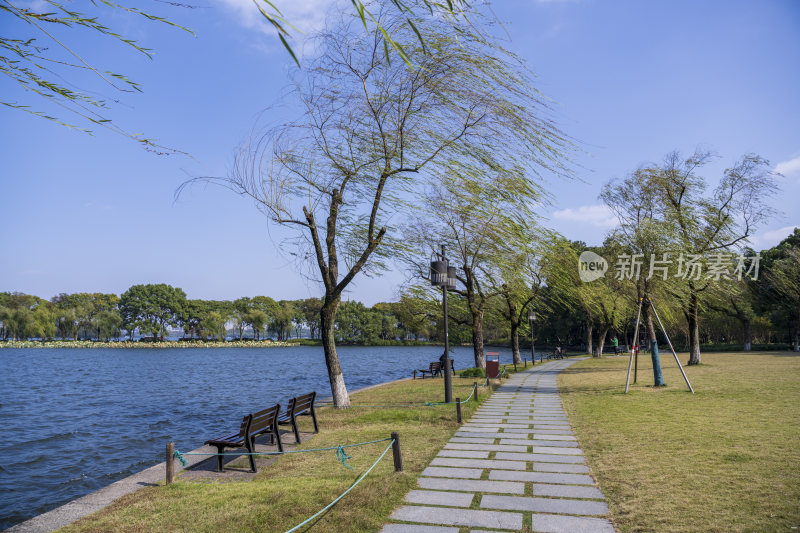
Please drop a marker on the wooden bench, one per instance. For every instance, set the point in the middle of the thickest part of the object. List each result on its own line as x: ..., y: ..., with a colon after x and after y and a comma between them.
x: 431, y: 369
x: 253, y: 425
x: 434, y: 369
x: 299, y: 406
x: 438, y: 370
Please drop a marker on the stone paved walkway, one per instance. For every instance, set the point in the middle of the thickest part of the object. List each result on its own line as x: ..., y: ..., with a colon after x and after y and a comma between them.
x: 516, y: 462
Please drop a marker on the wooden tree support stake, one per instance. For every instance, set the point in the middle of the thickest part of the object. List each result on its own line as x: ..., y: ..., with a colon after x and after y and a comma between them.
x: 458, y: 409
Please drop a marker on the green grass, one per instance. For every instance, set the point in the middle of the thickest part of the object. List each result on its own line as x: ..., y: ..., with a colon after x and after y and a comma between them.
x: 724, y: 459
x: 298, y: 485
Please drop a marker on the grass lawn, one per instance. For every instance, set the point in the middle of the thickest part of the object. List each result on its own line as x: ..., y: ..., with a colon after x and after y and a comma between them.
x: 298, y: 485
x: 724, y: 459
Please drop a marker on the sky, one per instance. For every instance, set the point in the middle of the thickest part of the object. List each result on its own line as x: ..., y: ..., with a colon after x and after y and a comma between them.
x: 629, y: 81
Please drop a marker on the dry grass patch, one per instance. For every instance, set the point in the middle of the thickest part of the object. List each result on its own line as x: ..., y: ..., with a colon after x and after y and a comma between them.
x: 298, y: 485
x: 724, y: 459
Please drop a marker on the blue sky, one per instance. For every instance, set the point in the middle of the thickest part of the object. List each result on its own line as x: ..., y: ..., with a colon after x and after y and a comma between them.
x: 630, y: 81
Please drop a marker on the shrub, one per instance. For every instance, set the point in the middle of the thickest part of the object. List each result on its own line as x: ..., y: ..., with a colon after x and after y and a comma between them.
x: 472, y: 373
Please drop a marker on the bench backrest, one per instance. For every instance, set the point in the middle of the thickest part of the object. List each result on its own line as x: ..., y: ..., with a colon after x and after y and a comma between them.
x: 245, y: 424
x: 264, y: 419
x: 437, y: 366
x: 301, y: 404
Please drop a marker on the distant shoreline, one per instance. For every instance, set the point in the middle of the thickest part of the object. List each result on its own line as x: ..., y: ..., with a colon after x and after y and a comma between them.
x: 193, y: 344
x: 137, y: 344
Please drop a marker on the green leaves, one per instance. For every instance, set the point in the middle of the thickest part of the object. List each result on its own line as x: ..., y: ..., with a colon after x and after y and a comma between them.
x: 43, y: 70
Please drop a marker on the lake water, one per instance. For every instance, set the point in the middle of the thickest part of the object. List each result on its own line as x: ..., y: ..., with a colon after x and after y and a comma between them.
x: 76, y: 420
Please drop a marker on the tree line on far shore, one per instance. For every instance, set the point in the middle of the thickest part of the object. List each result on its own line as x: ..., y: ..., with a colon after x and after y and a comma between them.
x: 569, y: 312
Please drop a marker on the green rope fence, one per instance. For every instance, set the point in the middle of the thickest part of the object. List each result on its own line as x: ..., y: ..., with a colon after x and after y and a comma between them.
x: 340, y: 453
x: 342, y: 495
x: 402, y: 405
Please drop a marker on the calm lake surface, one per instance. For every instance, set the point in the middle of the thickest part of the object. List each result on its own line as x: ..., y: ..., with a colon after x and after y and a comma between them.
x: 76, y: 420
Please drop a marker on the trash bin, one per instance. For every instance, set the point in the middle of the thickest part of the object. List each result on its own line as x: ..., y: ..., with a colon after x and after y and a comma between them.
x: 493, y: 365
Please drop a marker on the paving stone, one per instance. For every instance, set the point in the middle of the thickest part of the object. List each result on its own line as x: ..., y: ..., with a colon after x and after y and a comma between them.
x: 553, y: 431
x: 438, y: 497
x: 545, y: 436
x: 550, y: 523
x: 498, y: 425
x: 534, y: 442
x: 478, y: 463
x: 467, y: 454
x: 459, y: 517
x: 489, y: 447
x: 540, y: 457
x: 560, y: 467
x: 466, y: 473
x: 413, y: 528
x: 477, y: 429
x: 470, y: 485
x: 567, y: 491
x: 541, y: 477
x: 544, y: 505
x: 473, y: 440
x: 480, y: 435
x: 552, y: 449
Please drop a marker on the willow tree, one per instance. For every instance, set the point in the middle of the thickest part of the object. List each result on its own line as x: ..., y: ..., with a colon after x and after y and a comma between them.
x: 667, y: 207
x: 37, y: 54
x: 784, y: 278
x: 369, y: 132
x: 522, y: 263
x: 478, y: 213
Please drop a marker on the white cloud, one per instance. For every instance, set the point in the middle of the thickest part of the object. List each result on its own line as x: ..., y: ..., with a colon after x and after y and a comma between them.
x: 307, y: 16
x: 789, y: 168
x: 597, y: 215
x: 768, y: 239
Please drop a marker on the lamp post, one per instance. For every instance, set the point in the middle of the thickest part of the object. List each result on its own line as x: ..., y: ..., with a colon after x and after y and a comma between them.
x: 444, y: 276
x: 532, y: 318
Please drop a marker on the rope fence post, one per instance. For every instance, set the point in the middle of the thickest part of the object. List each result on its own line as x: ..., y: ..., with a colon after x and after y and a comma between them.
x: 170, y: 462
x: 458, y: 409
x: 475, y: 390
x: 398, y: 457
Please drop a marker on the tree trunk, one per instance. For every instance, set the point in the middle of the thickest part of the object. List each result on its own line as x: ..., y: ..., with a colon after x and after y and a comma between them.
x: 797, y: 331
x: 694, y: 331
x: 748, y: 334
x: 601, y: 341
x: 515, y: 341
x: 589, y: 334
x: 327, y: 321
x: 477, y: 339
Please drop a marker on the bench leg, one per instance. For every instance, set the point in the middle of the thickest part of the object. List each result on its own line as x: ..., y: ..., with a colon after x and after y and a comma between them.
x: 249, y: 444
x: 277, y: 435
x: 294, y: 428
x: 314, y: 418
x: 219, y: 458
